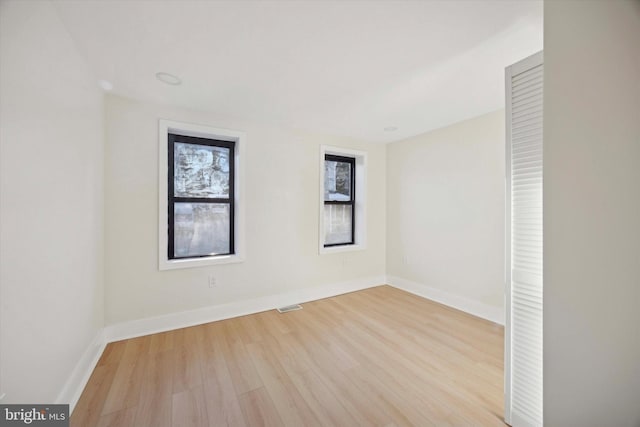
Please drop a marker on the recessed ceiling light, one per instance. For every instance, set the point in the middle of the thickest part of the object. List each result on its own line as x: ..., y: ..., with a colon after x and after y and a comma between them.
x: 105, y: 85
x: 391, y: 128
x: 169, y: 79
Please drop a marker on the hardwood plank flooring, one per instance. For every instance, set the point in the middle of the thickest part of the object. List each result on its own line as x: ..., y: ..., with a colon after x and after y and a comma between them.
x: 378, y: 357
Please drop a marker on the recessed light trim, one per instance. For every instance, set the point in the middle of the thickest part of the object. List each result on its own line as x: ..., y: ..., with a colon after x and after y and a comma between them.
x: 391, y: 128
x: 105, y: 85
x: 169, y: 79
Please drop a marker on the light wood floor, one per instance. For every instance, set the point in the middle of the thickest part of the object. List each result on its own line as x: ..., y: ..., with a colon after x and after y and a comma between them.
x: 378, y: 357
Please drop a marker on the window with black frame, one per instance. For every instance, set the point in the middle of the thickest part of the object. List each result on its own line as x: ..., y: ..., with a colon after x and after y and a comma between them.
x: 339, y: 200
x: 200, y: 197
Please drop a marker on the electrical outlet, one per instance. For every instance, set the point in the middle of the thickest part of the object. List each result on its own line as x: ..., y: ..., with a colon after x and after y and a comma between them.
x: 212, y: 281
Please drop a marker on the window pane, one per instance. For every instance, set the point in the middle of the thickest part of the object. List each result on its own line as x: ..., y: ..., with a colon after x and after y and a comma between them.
x: 337, y: 180
x: 200, y: 171
x: 337, y: 224
x: 201, y: 229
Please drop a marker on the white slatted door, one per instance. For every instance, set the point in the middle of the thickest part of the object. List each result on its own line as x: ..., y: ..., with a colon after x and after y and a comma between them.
x: 523, y: 332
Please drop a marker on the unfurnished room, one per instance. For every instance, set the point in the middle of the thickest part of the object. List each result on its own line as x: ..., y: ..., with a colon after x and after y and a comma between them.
x: 320, y: 213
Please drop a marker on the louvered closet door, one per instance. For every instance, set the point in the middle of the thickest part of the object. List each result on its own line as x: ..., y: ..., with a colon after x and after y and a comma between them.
x: 523, y: 333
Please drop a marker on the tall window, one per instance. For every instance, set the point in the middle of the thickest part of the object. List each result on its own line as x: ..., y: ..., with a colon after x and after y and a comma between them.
x: 339, y: 200
x: 200, y: 197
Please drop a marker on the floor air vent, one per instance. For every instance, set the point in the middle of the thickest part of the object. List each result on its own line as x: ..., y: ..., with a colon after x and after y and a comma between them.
x: 289, y: 308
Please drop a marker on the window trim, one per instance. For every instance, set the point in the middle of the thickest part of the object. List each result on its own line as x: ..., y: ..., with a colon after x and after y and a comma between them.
x: 352, y: 199
x: 165, y: 127
x: 360, y: 211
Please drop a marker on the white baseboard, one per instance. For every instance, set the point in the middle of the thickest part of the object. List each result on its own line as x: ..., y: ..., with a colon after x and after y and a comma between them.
x: 84, y: 368
x: 485, y: 311
x: 167, y: 322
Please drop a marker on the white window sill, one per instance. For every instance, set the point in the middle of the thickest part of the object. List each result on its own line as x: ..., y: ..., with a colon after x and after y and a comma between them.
x: 176, y: 264
x: 339, y: 249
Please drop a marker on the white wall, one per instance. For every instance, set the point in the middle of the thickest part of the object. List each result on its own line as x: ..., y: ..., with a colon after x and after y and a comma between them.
x: 282, y: 181
x: 445, y: 214
x: 592, y: 213
x: 51, y: 192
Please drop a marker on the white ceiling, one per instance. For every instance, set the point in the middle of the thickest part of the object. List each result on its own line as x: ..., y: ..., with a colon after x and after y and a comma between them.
x: 350, y: 68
